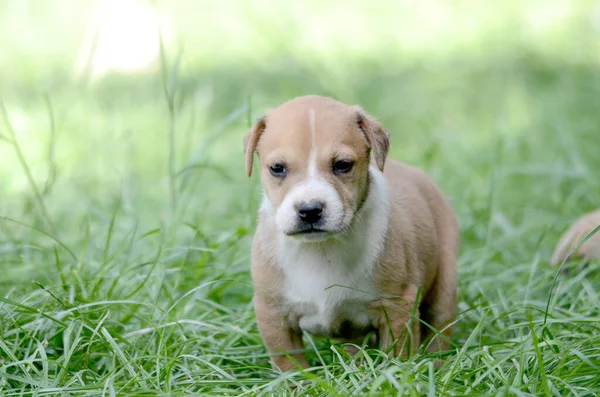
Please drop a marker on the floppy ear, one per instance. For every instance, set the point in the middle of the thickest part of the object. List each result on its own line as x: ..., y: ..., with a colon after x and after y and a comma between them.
x: 251, y: 140
x: 377, y: 137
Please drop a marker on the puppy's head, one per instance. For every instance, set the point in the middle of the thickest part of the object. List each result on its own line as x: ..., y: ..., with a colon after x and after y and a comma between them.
x: 314, y: 155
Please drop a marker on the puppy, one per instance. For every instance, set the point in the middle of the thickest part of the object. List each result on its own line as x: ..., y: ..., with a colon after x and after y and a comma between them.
x: 346, y: 245
x: 573, y: 235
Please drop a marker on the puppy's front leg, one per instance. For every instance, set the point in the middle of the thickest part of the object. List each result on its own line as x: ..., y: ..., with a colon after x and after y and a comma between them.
x: 399, y: 330
x: 277, y: 335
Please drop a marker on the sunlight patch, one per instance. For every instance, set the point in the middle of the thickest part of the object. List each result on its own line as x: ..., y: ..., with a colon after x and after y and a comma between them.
x: 122, y: 37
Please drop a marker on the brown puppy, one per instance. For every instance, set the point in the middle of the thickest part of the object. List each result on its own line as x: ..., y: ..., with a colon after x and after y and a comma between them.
x: 342, y: 247
x: 574, y: 234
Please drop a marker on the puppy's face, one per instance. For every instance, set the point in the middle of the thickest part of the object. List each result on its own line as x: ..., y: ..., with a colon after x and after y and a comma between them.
x: 314, y: 162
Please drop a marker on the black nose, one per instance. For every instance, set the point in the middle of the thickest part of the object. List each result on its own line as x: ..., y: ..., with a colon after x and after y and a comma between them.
x: 310, y: 212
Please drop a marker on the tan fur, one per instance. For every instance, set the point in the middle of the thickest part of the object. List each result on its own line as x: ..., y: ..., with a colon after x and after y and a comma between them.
x: 573, y: 235
x: 418, y: 257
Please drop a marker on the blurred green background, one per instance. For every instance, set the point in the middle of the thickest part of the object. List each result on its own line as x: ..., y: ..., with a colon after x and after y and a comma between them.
x: 499, y: 103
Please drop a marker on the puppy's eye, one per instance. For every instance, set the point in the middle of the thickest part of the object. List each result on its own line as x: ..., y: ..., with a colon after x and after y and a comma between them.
x: 342, y: 166
x: 278, y: 170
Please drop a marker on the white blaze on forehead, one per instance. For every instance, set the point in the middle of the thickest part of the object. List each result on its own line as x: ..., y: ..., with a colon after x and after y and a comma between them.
x: 312, y: 157
x: 311, y: 188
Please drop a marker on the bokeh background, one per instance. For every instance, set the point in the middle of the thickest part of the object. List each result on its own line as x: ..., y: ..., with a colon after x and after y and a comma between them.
x: 121, y: 169
x: 499, y: 103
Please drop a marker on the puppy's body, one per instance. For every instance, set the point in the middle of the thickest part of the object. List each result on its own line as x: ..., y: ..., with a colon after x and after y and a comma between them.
x: 383, y: 247
x: 575, y: 233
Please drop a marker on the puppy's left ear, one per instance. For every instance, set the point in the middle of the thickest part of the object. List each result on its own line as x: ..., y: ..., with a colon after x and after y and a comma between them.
x: 377, y: 136
x: 251, y: 140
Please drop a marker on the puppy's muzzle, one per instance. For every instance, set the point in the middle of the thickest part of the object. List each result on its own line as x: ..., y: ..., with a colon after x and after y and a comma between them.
x: 310, y: 219
x: 311, y: 212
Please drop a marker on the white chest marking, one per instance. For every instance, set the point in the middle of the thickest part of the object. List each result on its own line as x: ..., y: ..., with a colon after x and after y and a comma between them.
x: 324, y: 285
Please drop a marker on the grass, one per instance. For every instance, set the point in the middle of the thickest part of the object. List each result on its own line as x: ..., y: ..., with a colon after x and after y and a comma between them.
x: 126, y: 217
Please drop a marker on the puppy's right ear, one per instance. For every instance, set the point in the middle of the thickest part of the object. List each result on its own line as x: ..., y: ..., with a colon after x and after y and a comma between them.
x: 251, y: 140
x: 377, y: 136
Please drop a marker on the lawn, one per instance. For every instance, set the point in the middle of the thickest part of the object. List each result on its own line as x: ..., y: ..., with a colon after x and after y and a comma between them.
x: 126, y: 216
